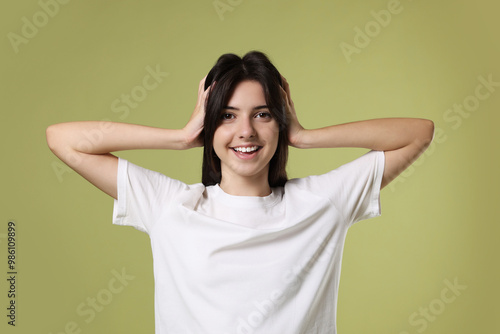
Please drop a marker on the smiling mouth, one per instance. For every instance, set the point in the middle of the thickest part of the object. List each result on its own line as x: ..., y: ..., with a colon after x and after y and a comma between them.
x: 248, y: 149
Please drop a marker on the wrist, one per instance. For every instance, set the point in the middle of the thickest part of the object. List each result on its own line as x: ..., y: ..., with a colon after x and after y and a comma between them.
x: 188, y: 139
x: 299, y: 138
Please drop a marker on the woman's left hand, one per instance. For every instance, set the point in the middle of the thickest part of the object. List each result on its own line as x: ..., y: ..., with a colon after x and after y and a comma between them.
x: 295, y: 130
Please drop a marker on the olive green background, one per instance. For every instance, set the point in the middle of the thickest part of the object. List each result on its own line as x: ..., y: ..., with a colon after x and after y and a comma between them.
x: 439, y: 220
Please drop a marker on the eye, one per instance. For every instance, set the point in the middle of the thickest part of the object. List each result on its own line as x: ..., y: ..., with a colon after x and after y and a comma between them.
x: 264, y: 115
x: 226, y: 116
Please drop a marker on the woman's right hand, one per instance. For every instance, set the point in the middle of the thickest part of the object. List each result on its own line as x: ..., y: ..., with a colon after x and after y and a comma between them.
x: 194, y: 127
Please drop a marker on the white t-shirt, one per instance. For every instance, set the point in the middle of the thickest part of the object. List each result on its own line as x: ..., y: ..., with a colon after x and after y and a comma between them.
x: 227, y: 264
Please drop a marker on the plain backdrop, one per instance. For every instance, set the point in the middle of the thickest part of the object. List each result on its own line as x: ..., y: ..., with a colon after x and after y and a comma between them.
x: 344, y: 60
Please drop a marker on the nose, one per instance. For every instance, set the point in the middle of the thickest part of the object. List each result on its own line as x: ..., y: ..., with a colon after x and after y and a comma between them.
x: 246, y: 128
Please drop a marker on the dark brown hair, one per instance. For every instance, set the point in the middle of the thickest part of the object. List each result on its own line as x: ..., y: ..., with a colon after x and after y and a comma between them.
x: 228, y: 71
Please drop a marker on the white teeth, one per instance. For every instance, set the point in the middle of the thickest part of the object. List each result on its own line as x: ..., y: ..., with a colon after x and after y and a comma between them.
x: 246, y: 149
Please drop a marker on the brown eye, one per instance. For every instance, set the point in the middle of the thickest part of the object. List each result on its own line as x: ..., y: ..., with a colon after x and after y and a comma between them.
x: 226, y: 116
x: 264, y: 115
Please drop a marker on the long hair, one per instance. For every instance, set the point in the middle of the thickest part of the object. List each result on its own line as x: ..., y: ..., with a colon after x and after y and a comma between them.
x: 228, y: 71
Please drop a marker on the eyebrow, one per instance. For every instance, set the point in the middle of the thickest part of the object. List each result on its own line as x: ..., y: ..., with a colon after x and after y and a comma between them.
x: 255, y: 108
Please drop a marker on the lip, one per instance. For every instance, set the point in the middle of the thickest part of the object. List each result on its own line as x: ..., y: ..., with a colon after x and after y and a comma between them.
x: 246, y: 145
x: 246, y: 156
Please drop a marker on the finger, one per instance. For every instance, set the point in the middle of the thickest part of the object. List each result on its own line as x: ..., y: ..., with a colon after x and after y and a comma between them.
x: 283, y: 94
x: 208, y: 90
x: 286, y: 95
x: 201, y: 86
x: 283, y: 79
x: 211, y: 87
x: 287, y: 88
x: 205, y: 93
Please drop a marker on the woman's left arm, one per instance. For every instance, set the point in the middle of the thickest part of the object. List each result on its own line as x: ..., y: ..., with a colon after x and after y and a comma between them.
x: 403, y: 140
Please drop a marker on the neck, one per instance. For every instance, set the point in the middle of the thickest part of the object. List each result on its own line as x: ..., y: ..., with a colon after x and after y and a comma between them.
x: 243, y: 186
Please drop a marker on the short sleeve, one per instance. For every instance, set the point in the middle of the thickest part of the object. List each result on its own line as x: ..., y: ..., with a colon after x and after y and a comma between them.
x: 354, y: 188
x: 142, y: 195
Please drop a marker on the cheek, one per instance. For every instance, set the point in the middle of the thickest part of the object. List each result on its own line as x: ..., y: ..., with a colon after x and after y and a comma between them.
x: 274, y: 133
x: 220, y: 140
x: 272, y: 138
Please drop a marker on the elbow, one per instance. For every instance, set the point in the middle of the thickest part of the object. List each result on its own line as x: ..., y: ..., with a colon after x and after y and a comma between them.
x: 49, y: 136
x: 425, y: 133
x: 429, y: 130
x: 52, y: 133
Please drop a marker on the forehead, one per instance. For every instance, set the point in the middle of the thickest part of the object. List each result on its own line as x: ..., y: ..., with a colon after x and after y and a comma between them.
x: 247, y: 93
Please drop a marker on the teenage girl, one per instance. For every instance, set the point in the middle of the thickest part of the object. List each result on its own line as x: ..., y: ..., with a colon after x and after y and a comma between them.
x: 246, y: 250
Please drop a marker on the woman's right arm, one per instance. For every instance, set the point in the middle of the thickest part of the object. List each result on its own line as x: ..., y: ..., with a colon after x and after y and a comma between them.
x: 86, y: 146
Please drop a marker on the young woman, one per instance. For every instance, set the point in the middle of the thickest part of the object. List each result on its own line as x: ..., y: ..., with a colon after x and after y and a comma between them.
x: 246, y: 250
